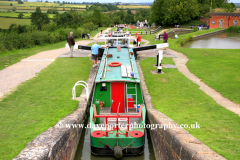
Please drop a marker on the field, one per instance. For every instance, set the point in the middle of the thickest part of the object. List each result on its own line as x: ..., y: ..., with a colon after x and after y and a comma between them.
x: 224, y: 10
x: 31, y: 6
x: 34, y: 8
x: 6, y: 22
x: 132, y: 7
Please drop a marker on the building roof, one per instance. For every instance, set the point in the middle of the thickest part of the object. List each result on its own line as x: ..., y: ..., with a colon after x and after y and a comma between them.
x: 114, y: 73
x: 225, y: 14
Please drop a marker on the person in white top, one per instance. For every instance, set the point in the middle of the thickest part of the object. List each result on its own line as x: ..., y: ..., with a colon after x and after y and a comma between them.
x: 176, y: 36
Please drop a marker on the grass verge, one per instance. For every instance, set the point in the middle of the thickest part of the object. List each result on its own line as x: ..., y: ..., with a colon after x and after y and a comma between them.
x: 181, y: 100
x: 39, y: 103
x: 218, y: 68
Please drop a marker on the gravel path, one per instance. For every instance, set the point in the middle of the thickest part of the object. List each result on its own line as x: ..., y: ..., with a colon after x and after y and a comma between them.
x: 15, y: 74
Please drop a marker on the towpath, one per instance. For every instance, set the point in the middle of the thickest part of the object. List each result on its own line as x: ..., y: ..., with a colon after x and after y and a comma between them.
x: 27, y: 68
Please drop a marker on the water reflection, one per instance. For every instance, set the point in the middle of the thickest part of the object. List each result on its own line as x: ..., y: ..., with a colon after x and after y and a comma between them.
x: 84, y: 149
x: 217, y: 41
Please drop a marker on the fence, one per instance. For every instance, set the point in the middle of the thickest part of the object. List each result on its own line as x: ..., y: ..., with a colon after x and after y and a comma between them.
x: 146, y: 32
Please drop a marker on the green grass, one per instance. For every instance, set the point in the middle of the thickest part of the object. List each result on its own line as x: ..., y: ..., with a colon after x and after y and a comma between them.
x: 218, y: 68
x: 94, y: 32
x: 39, y: 103
x: 181, y: 100
x: 15, y: 15
x: 133, y: 6
x: 6, y: 22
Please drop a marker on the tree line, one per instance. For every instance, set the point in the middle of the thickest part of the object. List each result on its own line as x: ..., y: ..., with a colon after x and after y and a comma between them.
x: 173, y: 12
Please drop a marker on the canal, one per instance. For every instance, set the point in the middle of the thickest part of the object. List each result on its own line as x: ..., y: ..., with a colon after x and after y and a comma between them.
x: 224, y: 40
x: 84, y: 149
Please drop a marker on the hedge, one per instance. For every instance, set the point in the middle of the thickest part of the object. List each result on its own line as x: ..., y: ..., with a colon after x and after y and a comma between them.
x: 14, y: 40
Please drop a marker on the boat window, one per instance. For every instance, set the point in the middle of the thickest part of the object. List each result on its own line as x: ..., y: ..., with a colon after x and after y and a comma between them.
x: 103, y: 88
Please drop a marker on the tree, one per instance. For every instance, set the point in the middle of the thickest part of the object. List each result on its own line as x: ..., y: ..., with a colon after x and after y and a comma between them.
x: 89, y: 26
x: 157, y: 12
x: 14, y: 9
x: 129, y: 11
x: 96, y: 19
x: 179, y: 12
x: 173, y: 11
x: 20, y: 16
x: 39, y: 19
x: 106, y: 20
x: 20, y: 2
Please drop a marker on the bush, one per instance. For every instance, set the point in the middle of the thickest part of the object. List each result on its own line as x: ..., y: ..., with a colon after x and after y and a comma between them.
x: 20, y: 15
x: 233, y: 29
x: 14, y: 9
x: 195, y: 29
x: 22, y: 36
x: 190, y: 38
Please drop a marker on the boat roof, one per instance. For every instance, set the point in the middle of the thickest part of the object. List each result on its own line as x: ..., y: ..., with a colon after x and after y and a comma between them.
x: 107, y: 73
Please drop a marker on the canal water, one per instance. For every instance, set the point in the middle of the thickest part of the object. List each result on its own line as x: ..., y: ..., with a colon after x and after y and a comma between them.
x: 222, y: 40
x: 84, y: 149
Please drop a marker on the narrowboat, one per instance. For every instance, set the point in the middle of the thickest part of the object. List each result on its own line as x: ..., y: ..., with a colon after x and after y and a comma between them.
x: 117, y: 110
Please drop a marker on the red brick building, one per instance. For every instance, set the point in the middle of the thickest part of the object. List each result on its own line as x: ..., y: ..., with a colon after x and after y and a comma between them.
x: 224, y: 20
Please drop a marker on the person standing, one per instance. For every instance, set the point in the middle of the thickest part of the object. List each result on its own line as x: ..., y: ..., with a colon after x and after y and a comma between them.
x: 94, y: 50
x: 165, y: 38
x: 101, y: 31
x: 71, y: 43
x: 83, y: 36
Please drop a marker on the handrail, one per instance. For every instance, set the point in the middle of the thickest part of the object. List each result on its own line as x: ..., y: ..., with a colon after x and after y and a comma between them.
x: 114, y: 116
x: 78, y: 83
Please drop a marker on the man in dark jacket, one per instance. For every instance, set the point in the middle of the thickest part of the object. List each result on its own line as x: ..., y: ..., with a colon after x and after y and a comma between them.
x: 71, y: 43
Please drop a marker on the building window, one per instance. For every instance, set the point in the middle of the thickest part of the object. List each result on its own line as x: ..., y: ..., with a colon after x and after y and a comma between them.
x: 235, y: 22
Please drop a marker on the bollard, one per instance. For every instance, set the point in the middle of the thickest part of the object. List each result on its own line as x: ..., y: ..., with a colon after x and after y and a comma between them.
x: 159, y: 58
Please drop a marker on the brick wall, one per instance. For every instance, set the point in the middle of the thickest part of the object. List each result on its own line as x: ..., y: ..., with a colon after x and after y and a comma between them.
x: 227, y: 18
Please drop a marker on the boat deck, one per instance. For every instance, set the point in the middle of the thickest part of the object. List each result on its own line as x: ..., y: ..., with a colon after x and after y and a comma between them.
x: 122, y: 122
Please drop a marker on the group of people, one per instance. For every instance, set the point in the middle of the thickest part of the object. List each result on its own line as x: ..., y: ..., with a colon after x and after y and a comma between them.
x: 84, y: 35
x: 95, y: 46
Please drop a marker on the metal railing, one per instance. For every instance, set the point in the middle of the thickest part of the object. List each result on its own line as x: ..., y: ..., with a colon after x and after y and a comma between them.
x: 80, y: 83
